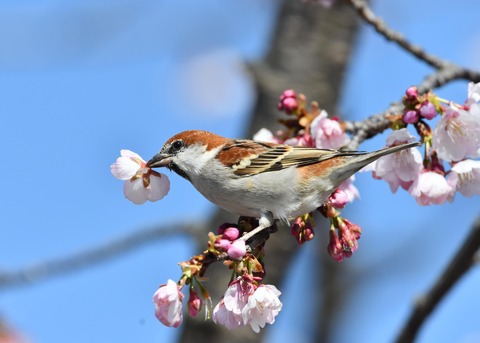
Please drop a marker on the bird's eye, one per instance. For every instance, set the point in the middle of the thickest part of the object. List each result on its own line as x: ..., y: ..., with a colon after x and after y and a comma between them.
x: 177, y: 145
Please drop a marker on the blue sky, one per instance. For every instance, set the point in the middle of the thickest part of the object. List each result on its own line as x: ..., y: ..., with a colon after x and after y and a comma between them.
x: 81, y: 80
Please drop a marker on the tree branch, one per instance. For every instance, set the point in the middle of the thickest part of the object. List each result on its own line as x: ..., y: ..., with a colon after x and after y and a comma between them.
x: 58, y: 266
x: 459, y: 265
x: 367, y: 15
x: 377, y: 123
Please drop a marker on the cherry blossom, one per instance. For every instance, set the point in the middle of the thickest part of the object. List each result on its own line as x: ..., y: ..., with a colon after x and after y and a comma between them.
x: 168, y: 304
x: 401, y: 168
x: 221, y: 315
x: 473, y: 93
x: 465, y: 177
x: 430, y: 188
x: 262, y: 307
x: 327, y: 133
x: 228, y: 312
x: 141, y: 183
x: 457, y: 134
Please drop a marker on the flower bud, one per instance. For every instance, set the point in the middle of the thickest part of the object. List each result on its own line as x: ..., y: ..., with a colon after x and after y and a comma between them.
x: 237, y: 249
x: 428, y: 110
x: 411, y: 117
x: 194, y: 303
x: 339, y: 198
x: 222, y: 244
x: 231, y: 233
x: 412, y: 92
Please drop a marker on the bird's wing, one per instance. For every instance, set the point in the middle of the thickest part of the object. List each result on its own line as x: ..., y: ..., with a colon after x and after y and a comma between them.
x: 248, y: 157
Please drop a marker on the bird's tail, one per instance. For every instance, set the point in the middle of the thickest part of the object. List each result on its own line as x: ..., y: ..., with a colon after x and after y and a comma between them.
x: 358, y: 160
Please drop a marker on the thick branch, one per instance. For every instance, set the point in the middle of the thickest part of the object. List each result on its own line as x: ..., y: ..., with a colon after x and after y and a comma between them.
x: 458, y: 266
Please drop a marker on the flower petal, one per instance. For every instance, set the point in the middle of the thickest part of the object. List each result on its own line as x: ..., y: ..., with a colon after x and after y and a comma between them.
x: 124, y: 168
x: 159, y: 187
x: 135, y: 192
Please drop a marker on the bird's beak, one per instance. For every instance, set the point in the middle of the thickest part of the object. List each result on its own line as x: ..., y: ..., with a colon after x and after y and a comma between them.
x: 159, y: 160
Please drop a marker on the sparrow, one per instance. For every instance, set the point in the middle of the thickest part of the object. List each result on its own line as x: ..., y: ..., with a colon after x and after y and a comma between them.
x: 263, y: 180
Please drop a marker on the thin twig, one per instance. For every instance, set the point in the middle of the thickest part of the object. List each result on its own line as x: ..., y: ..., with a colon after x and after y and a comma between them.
x: 91, y: 256
x: 366, y: 13
x: 458, y: 266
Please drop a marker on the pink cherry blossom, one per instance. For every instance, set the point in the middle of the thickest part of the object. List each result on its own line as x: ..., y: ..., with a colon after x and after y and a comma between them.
x: 430, y: 188
x: 168, y: 304
x: 228, y: 312
x: 327, y: 133
x: 465, y: 177
x: 141, y: 183
x: 237, y: 249
x: 401, y: 168
x: 262, y: 307
x: 457, y: 134
x: 221, y: 315
x: 473, y: 93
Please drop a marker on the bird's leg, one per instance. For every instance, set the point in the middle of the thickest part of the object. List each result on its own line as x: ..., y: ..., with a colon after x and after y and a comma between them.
x: 265, y: 221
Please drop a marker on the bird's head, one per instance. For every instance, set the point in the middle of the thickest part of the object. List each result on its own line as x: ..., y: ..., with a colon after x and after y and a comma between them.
x: 187, y: 152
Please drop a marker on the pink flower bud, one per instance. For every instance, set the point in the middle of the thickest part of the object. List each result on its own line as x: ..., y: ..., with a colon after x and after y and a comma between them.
x: 168, y: 304
x: 308, y: 234
x: 289, y: 93
x: 411, y: 117
x: 194, y: 303
x: 222, y: 244
x: 231, y: 233
x: 339, y: 198
x: 412, y: 92
x: 290, y: 105
x: 221, y: 229
x: 335, y: 247
x: 355, y: 229
x: 428, y: 110
x: 349, y: 242
x: 237, y: 249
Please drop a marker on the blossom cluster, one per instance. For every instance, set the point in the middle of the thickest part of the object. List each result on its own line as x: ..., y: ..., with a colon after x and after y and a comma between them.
x: 246, y: 301
x: 454, y: 142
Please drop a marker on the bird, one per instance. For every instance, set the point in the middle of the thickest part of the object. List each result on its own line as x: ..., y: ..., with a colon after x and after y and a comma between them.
x: 264, y: 180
